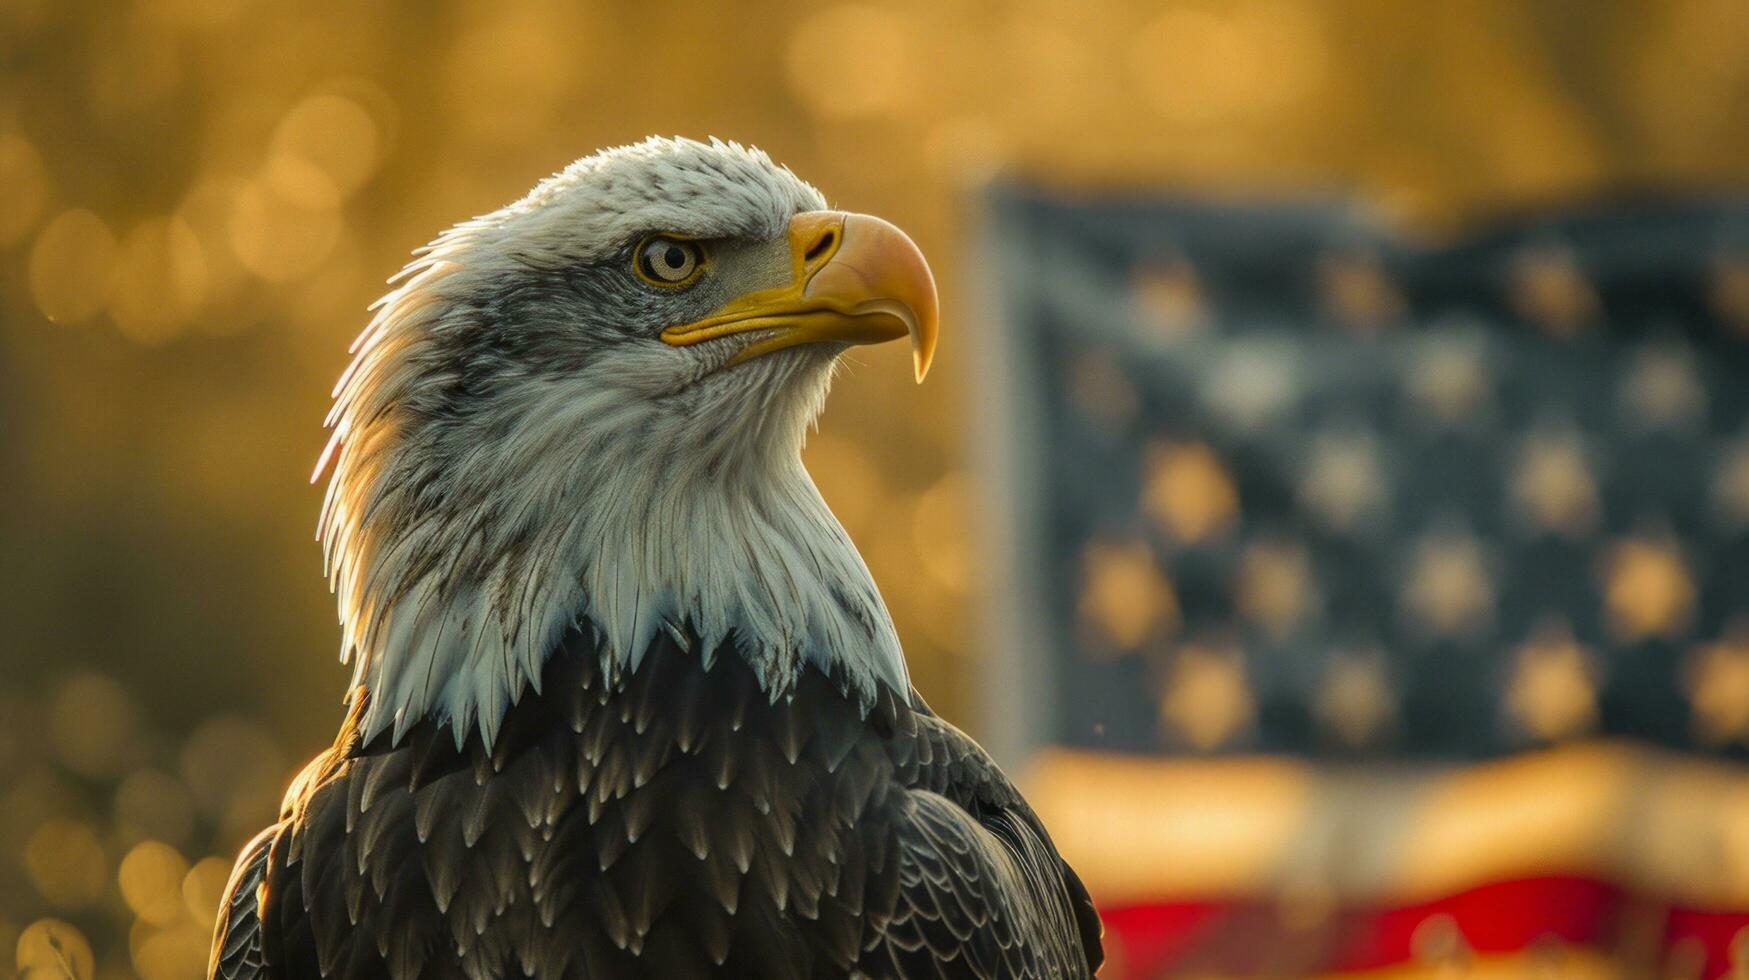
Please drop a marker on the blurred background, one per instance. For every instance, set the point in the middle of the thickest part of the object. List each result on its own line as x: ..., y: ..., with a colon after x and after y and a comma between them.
x: 198, y: 198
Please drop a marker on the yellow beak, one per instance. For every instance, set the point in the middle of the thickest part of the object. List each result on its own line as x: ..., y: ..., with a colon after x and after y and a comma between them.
x: 855, y: 279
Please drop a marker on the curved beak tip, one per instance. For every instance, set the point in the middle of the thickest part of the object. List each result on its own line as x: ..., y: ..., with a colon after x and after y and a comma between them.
x: 891, y: 266
x: 923, y: 347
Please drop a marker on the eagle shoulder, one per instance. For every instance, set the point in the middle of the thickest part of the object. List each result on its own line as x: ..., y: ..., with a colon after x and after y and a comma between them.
x: 982, y: 890
x: 237, y: 941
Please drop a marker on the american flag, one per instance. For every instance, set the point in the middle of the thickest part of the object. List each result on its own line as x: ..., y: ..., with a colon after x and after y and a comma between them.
x: 1374, y: 607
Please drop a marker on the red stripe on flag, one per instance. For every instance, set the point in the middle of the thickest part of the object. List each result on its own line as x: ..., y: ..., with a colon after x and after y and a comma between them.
x: 1154, y: 936
x: 1245, y: 936
x: 1695, y: 937
x: 1501, y: 917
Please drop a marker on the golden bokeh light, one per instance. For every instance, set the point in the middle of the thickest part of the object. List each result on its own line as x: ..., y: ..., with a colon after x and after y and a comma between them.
x: 274, y: 233
x: 334, y: 135
x: 509, y: 73
x: 1663, y: 388
x: 1647, y: 590
x: 176, y: 953
x: 294, y: 179
x: 1552, y: 486
x: 172, y: 954
x: 92, y: 724
x: 1127, y: 596
x: 1716, y: 680
x: 939, y: 524
x: 1274, y: 588
x: 150, y: 877
x: 846, y: 478
x: 1188, y: 492
x: 851, y: 60
x: 1206, y: 700
x: 72, y: 266
x: 205, y: 210
x: 204, y: 886
x: 1549, y: 290
x: 1169, y: 297
x: 1356, y: 292
x: 1343, y: 483
x: 160, y: 283
x: 1552, y: 691
x: 24, y: 187
x: 1205, y: 63
x: 1447, y: 589
x: 66, y: 863
x: 52, y: 949
x: 1355, y: 702
x: 967, y: 150
x: 152, y: 804
x: 1449, y: 382
x: 234, y: 771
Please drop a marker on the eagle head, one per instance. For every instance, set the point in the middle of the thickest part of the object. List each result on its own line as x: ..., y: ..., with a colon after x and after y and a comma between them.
x: 586, y: 410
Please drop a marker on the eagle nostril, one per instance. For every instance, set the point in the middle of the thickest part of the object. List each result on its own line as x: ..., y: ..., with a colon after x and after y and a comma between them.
x: 821, y: 246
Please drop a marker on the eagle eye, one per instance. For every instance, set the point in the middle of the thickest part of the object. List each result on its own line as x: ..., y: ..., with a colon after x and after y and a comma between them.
x: 666, y: 261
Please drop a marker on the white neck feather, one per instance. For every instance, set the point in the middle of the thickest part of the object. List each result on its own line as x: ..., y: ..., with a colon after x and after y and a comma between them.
x: 462, y: 553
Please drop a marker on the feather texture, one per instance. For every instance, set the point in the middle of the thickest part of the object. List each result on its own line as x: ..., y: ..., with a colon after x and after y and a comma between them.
x: 885, y: 844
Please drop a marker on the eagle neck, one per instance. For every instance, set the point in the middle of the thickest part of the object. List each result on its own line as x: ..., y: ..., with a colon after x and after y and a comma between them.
x: 746, y: 559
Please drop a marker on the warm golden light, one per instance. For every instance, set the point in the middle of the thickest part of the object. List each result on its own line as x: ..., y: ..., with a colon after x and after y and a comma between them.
x: 1127, y: 597
x: 199, y: 198
x: 1207, y: 700
x: 335, y: 136
x: 850, y: 60
x: 1356, y: 292
x: 93, y: 725
x: 1647, y: 589
x: 1550, y: 291
x: 1204, y: 64
x: 24, y: 187
x: 938, y: 523
x: 1188, y: 492
x: 1343, y: 484
x: 151, y: 803
x: 1553, y: 488
x: 160, y: 283
x: 151, y: 882
x: 1552, y: 692
x: 66, y: 863
x: 72, y: 266
x: 276, y: 233
x: 50, y: 949
x: 1355, y: 702
x: 1717, y: 683
x: 1447, y: 589
x: 1275, y: 588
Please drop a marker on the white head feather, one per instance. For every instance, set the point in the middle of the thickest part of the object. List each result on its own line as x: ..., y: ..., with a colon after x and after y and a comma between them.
x: 514, y: 452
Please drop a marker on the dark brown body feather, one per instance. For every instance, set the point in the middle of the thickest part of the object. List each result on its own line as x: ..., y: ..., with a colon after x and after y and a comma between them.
x: 671, y: 823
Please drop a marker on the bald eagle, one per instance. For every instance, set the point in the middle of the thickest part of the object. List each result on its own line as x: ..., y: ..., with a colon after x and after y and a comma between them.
x: 626, y: 701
